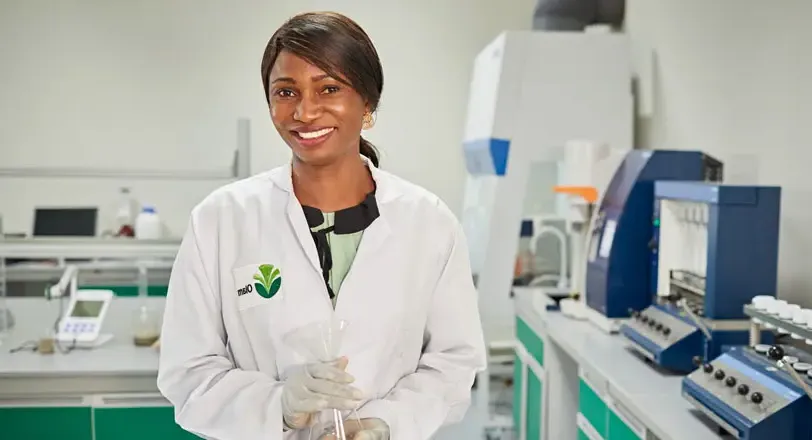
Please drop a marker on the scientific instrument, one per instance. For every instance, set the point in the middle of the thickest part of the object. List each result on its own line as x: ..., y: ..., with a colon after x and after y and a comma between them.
x: 760, y: 392
x: 66, y: 285
x: 619, y: 254
x: 714, y: 248
x: 82, y: 322
x: 531, y: 93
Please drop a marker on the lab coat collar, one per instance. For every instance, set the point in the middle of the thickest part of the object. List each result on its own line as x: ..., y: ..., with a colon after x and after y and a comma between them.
x: 282, y: 177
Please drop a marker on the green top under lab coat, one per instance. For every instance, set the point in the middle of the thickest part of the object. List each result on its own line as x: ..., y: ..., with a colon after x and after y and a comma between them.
x: 343, y: 249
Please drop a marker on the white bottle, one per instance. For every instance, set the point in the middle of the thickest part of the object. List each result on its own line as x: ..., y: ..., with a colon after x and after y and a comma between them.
x: 148, y: 225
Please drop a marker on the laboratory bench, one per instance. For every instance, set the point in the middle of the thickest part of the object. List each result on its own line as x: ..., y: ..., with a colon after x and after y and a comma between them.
x: 574, y: 381
x: 103, y: 393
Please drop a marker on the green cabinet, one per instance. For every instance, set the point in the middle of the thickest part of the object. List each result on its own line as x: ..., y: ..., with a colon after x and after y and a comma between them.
x: 46, y: 422
x: 531, y: 341
x: 136, y: 417
x: 624, y: 427
x: 591, y: 402
x: 124, y: 417
x: 528, y: 384
x: 600, y: 416
x: 533, y: 422
x: 518, y: 392
x: 137, y: 424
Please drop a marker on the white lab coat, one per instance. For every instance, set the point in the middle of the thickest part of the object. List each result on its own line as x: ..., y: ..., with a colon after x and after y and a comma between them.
x: 414, y: 341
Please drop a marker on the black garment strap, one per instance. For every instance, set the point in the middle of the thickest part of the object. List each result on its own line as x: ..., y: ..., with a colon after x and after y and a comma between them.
x: 325, y: 256
x: 346, y: 221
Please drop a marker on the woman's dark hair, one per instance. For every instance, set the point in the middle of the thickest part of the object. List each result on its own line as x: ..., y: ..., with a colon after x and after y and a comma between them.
x: 338, y: 46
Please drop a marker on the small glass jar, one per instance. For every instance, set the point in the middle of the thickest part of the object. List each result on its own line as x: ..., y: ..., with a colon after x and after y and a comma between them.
x: 146, y: 329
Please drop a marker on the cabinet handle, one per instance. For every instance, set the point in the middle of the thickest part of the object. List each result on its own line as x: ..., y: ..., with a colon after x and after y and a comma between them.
x: 45, y: 401
x: 587, y: 377
x: 129, y: 401
x: 628, y: 418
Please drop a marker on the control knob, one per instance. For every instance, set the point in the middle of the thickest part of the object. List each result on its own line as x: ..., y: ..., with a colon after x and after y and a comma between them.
x: 756, y: 398
x: 659, y: 327
x: 730, y: 381
x: 666, y: 331
x: 708, y: 368
x: 719, y: 375
x: 776, y: 353
x: 697, y: 361
x: 743, y: 389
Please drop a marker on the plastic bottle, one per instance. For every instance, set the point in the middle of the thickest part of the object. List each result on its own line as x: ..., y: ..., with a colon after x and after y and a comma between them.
x: 148, y: 225
x: 125, y: 214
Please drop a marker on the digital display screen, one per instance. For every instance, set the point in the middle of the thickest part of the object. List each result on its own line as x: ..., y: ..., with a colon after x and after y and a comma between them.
x: 87, y: 309
x: 608, y: 239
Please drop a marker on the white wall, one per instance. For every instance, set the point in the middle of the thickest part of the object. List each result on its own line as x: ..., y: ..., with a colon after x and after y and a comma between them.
x: 733, y: 78
x: 160, y: 85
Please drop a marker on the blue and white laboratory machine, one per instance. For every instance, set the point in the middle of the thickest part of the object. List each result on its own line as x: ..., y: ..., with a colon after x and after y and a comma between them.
x: 619, y: 254
x: 714, y: 248
x: 760, y: 392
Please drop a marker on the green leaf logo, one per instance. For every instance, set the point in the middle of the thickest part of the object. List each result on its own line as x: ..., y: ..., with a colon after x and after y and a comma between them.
x: 269, y: 280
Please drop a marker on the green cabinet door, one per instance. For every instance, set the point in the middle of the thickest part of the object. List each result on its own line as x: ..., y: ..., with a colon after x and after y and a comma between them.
x: 619, y: 430
x: 149, y: 422
x: 534, y: 406
x: 530, y: 340
x: 46, y: 423
x: 518, y: 393
x: 593, y: 408
x: 582, y: 435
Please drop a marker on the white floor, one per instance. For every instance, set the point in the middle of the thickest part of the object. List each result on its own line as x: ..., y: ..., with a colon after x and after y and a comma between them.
x: 473, y: 425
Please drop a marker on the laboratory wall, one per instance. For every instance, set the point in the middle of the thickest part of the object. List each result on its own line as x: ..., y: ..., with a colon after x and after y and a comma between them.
x: 156, y: 85
x: 732, y: 77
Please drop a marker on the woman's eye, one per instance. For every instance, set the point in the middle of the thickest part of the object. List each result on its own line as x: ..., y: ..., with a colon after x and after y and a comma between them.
x: 331, y: 89
x: 284, y: 93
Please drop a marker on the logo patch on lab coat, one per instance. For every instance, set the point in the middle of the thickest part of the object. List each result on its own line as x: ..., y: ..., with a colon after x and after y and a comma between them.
x: 268, y: 282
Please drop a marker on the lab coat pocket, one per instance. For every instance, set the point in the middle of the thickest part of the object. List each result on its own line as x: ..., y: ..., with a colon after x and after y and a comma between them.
x: 257, y: 284
x: 259, y: 291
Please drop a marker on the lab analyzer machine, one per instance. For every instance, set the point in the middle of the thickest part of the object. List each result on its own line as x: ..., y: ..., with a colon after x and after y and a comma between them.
x: 714, y: 248
x: 761, y: 391
x: 619, y: 255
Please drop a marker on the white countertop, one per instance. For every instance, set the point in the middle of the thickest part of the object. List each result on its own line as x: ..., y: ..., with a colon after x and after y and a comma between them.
x: 653, y: 396
x: 117, y: 357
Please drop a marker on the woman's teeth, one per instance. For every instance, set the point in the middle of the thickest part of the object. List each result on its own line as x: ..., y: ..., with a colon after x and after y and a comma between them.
x: 314, y: 134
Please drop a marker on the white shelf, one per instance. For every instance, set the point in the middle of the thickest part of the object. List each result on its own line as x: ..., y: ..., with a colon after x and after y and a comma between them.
x: 79, y: 248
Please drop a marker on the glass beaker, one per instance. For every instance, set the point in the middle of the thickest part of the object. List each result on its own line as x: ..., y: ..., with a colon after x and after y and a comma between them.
x: 321, y: 342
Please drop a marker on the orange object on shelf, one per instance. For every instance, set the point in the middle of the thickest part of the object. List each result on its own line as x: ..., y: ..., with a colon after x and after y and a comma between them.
x: 588, y: 193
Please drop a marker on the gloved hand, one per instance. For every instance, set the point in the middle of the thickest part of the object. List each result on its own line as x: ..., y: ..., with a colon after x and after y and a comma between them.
x: 367, y: 429
x: 315, y: 387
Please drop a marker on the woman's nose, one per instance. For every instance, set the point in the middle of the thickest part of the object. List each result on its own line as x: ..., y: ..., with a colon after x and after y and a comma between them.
x: 308, y: 108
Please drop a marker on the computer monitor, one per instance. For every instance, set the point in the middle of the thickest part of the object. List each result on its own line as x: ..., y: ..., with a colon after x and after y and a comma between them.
x: 65, y: 222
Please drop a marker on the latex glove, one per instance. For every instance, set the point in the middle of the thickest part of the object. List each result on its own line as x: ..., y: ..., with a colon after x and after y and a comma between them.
x: 367, y: 429
x: 315, y: 387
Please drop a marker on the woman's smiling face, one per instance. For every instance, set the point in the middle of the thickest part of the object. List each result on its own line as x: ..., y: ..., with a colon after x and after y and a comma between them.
x: 320, y: 117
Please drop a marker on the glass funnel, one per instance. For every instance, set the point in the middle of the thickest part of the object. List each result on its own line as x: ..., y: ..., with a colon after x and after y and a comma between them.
x: 321, y: 342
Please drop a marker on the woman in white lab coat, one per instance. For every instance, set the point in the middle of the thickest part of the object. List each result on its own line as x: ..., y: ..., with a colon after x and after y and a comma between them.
x: 329, y: 235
